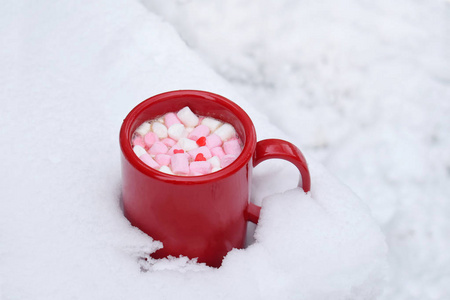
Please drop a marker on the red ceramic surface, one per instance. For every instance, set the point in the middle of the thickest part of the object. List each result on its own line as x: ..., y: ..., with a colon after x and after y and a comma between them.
x: 197, y: 216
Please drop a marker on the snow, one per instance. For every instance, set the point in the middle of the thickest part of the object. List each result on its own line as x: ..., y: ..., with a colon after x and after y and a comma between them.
x: 368, y: 83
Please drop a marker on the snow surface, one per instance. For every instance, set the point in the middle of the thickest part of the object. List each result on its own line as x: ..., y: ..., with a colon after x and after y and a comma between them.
x: 368, y: 82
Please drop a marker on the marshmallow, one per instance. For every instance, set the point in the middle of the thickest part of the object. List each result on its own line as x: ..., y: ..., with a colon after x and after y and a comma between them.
x: 214, y: 161
x: 200, y: 167
x: 150, y: 138
x: 213, y: 140
x: 144, y: 128
x: 158, y: 148
x: 160, y: 130
x: 215, y: 169
x: 139, y: 150
x: 166, y: 169
x: 170, y: 119
x: 226, y: 160
x: 187, y: 144
x: 225, y: 132
x: 198, y: 145
x: 180, y: 164
x: 198, y: 132
x: 203, y: 150
x: 187, y: 117
x: 177, y: 131
x: 232, y: 147
x: 168, y: 142
x: 163, y: 159
x: 212, y: 124
x: 138, y: 141
x: 148, y: 160
x: 217, y: 151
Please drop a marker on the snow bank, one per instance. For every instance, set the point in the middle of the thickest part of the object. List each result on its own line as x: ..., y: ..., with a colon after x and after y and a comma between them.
x: 70, y: 72
x: 368, y: 83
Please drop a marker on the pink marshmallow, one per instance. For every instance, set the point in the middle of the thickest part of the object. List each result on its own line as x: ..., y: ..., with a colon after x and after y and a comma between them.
x: 138, y: 141
x: 148, y: 160
x: 213, y: 140
x: 200, y: 167
x: 226, y: 160
x: 232, y: 147
x: 170, y: 119
x: 163, y: 159
x: 150, y: 138
x: 203, y: 150
x: 198, y: 132
x: 158, y: 148
x: 180, y: 164
x: 217, y: 151
x: 168, y: 142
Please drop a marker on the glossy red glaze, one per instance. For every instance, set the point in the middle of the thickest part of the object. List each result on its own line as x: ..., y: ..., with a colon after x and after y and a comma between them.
x: 201, y: 141
x: 196, y: 216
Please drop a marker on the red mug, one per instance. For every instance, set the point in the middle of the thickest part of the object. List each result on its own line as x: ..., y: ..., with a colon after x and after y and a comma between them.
x: 203, y: 216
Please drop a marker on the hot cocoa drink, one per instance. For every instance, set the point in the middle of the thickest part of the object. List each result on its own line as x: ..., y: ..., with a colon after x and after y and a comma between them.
x: 183, y: 143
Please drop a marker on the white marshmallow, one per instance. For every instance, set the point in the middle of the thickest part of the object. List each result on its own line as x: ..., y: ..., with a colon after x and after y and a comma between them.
x: 212, y: 124
x: 160, y: 130
x: 187, y: 144
x: 187, y: 117
x: 215, y: 162
x: 225, y: 132
x: 166, y: 169
x: 139, y: 150
x: 177, y: 131
x: 144, y: 128
x: 215, y: 169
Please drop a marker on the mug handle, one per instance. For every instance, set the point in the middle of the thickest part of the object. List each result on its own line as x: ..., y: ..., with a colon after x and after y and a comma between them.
x: 275, y: 148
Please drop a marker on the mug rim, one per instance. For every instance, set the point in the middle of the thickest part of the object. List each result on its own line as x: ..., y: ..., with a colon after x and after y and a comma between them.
x: 245, y: 156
